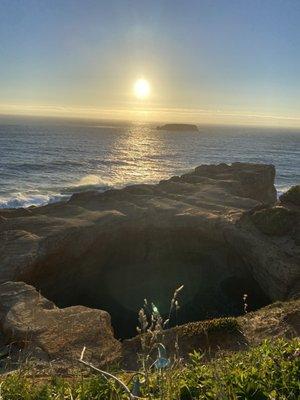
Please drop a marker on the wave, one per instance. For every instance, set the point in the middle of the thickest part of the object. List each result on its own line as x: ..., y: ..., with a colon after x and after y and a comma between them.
x: 88, y: 182
x: 23, y: 200
x: 33, y: 166
x: 115, y: 162
x: 34, y: 198
x: 59, y: 165
x: 282, y: 189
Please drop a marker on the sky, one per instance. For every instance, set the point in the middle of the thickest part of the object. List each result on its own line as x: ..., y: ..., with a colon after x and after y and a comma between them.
x: 210, y: 61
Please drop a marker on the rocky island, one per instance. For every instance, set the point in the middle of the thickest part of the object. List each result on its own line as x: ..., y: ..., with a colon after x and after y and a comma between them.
x: 178, y: 128
x: 219, y: 230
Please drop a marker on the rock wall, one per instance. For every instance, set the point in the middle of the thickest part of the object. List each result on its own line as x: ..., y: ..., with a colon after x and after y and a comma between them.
x: 34, y: 325
x: 111, y: 250
x: 34, y: 330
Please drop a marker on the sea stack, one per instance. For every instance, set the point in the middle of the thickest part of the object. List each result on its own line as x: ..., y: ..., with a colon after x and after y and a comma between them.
x: 179, y: 127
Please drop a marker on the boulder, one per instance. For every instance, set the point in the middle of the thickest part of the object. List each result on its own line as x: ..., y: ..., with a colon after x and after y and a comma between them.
x: 277, y: 320
x: 275, y: 221
x: 291, y: 196
x: 43, y: 331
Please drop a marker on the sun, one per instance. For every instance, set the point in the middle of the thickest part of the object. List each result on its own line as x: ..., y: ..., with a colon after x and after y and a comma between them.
x: 141, y: 88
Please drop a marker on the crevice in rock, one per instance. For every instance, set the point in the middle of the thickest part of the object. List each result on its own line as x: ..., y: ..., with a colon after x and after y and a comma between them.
x: 117, y: 271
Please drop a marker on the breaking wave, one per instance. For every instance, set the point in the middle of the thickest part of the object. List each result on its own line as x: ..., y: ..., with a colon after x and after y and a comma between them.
x: 28, y: 199
x: 20, y: 200
x: 89, y: 182
x: 46, y: 163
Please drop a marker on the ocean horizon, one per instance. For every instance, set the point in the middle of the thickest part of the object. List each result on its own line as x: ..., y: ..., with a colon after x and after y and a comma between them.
x: 47, y: 160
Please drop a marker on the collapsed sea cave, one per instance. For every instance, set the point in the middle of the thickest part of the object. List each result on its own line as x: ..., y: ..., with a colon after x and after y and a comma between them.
x: 118, y: 271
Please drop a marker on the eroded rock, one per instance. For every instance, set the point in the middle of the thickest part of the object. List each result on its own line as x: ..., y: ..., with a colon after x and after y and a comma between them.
x: 43, y: 331
x: 278, y: 320
x: 292, y: 196
x: 111, y: 250
x: 275, y: 221
x: 52, y: 338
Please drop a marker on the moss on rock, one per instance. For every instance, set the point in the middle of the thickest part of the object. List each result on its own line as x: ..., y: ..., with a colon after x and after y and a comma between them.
x: 227, y: 324
x: 275, y: 221
x: 291, y: 196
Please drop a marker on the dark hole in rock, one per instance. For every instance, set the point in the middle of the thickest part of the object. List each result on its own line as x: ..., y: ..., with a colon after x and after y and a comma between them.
x: 120, y: 270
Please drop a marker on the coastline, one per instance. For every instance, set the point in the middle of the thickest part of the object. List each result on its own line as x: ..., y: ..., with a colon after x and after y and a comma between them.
x: 40, y: 199
x: 218, y: 230
x: 211, y: 204
x: 44, y: 163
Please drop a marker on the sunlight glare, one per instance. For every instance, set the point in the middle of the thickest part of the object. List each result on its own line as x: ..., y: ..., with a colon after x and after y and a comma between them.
x: 141, y: 88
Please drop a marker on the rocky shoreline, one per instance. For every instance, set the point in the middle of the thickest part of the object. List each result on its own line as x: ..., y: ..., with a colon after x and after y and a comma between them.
x: 219, y: 230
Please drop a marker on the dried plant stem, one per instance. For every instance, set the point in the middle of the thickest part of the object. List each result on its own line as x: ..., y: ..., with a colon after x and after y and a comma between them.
x: 107, y: 375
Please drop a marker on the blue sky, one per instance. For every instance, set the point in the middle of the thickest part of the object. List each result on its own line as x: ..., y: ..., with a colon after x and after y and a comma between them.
x: 206, y: 60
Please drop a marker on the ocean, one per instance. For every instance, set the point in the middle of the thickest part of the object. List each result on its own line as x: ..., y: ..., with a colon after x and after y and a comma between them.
x: 46, y: 160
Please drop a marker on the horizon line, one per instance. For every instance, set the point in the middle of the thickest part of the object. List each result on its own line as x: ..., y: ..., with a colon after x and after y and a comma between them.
x: 154, y: 114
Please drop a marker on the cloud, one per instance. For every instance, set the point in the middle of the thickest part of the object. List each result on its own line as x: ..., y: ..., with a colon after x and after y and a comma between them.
x: 153, y: 113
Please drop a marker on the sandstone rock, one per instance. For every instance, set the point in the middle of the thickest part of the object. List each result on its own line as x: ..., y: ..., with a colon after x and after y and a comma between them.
x: 291, y: 196
x: 208, y: 337
x: 275, y: 221
x: 35, y: 325
x: 278, y: 320
x: 17, y: 212
x: 111, y: 250
x: 53, y: 338
x: 255, y: 181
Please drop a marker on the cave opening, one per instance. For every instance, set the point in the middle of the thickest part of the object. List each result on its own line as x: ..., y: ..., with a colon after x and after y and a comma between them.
x: 119, y: 271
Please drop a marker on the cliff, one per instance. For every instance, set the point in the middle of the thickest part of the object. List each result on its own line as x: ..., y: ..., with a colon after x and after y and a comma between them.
x: 208, y: 229
x: 34, y: 328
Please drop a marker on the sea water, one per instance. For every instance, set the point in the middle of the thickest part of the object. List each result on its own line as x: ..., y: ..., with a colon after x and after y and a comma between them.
x: 46, y: 160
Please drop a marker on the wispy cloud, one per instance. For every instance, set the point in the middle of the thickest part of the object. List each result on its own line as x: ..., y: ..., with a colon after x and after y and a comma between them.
x: 153, y: 113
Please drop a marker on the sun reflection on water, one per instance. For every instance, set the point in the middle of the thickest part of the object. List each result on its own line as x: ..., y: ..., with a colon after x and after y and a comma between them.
x: 141, y: 154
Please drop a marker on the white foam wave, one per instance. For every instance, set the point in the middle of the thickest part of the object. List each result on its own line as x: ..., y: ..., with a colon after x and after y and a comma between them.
x: 90, y: 180
x: 26, y: 200
x: 34, y: 198
x: 282, y: 189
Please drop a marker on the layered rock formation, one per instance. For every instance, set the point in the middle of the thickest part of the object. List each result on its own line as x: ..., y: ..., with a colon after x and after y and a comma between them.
x: 111, y: 250
x: 44, y: 332
x: 34, y: 330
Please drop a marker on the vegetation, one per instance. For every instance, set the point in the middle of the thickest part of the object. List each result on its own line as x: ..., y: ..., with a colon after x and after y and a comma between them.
x: 276, y: 221
x: 270, y: 371
x: 225, y: 324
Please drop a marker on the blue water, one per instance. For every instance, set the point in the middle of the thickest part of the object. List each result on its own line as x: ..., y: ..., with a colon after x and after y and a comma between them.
x: 43, y: 161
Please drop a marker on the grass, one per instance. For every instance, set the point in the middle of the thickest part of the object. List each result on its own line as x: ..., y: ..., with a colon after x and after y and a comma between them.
x: 270, y: 371
x: 226, y: 324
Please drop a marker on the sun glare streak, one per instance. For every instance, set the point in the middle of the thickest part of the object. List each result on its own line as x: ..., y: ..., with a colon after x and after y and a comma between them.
x: 141, y: 88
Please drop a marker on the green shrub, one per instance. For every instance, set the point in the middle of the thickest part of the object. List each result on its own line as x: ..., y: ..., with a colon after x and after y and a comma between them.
x: 270, y: 371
